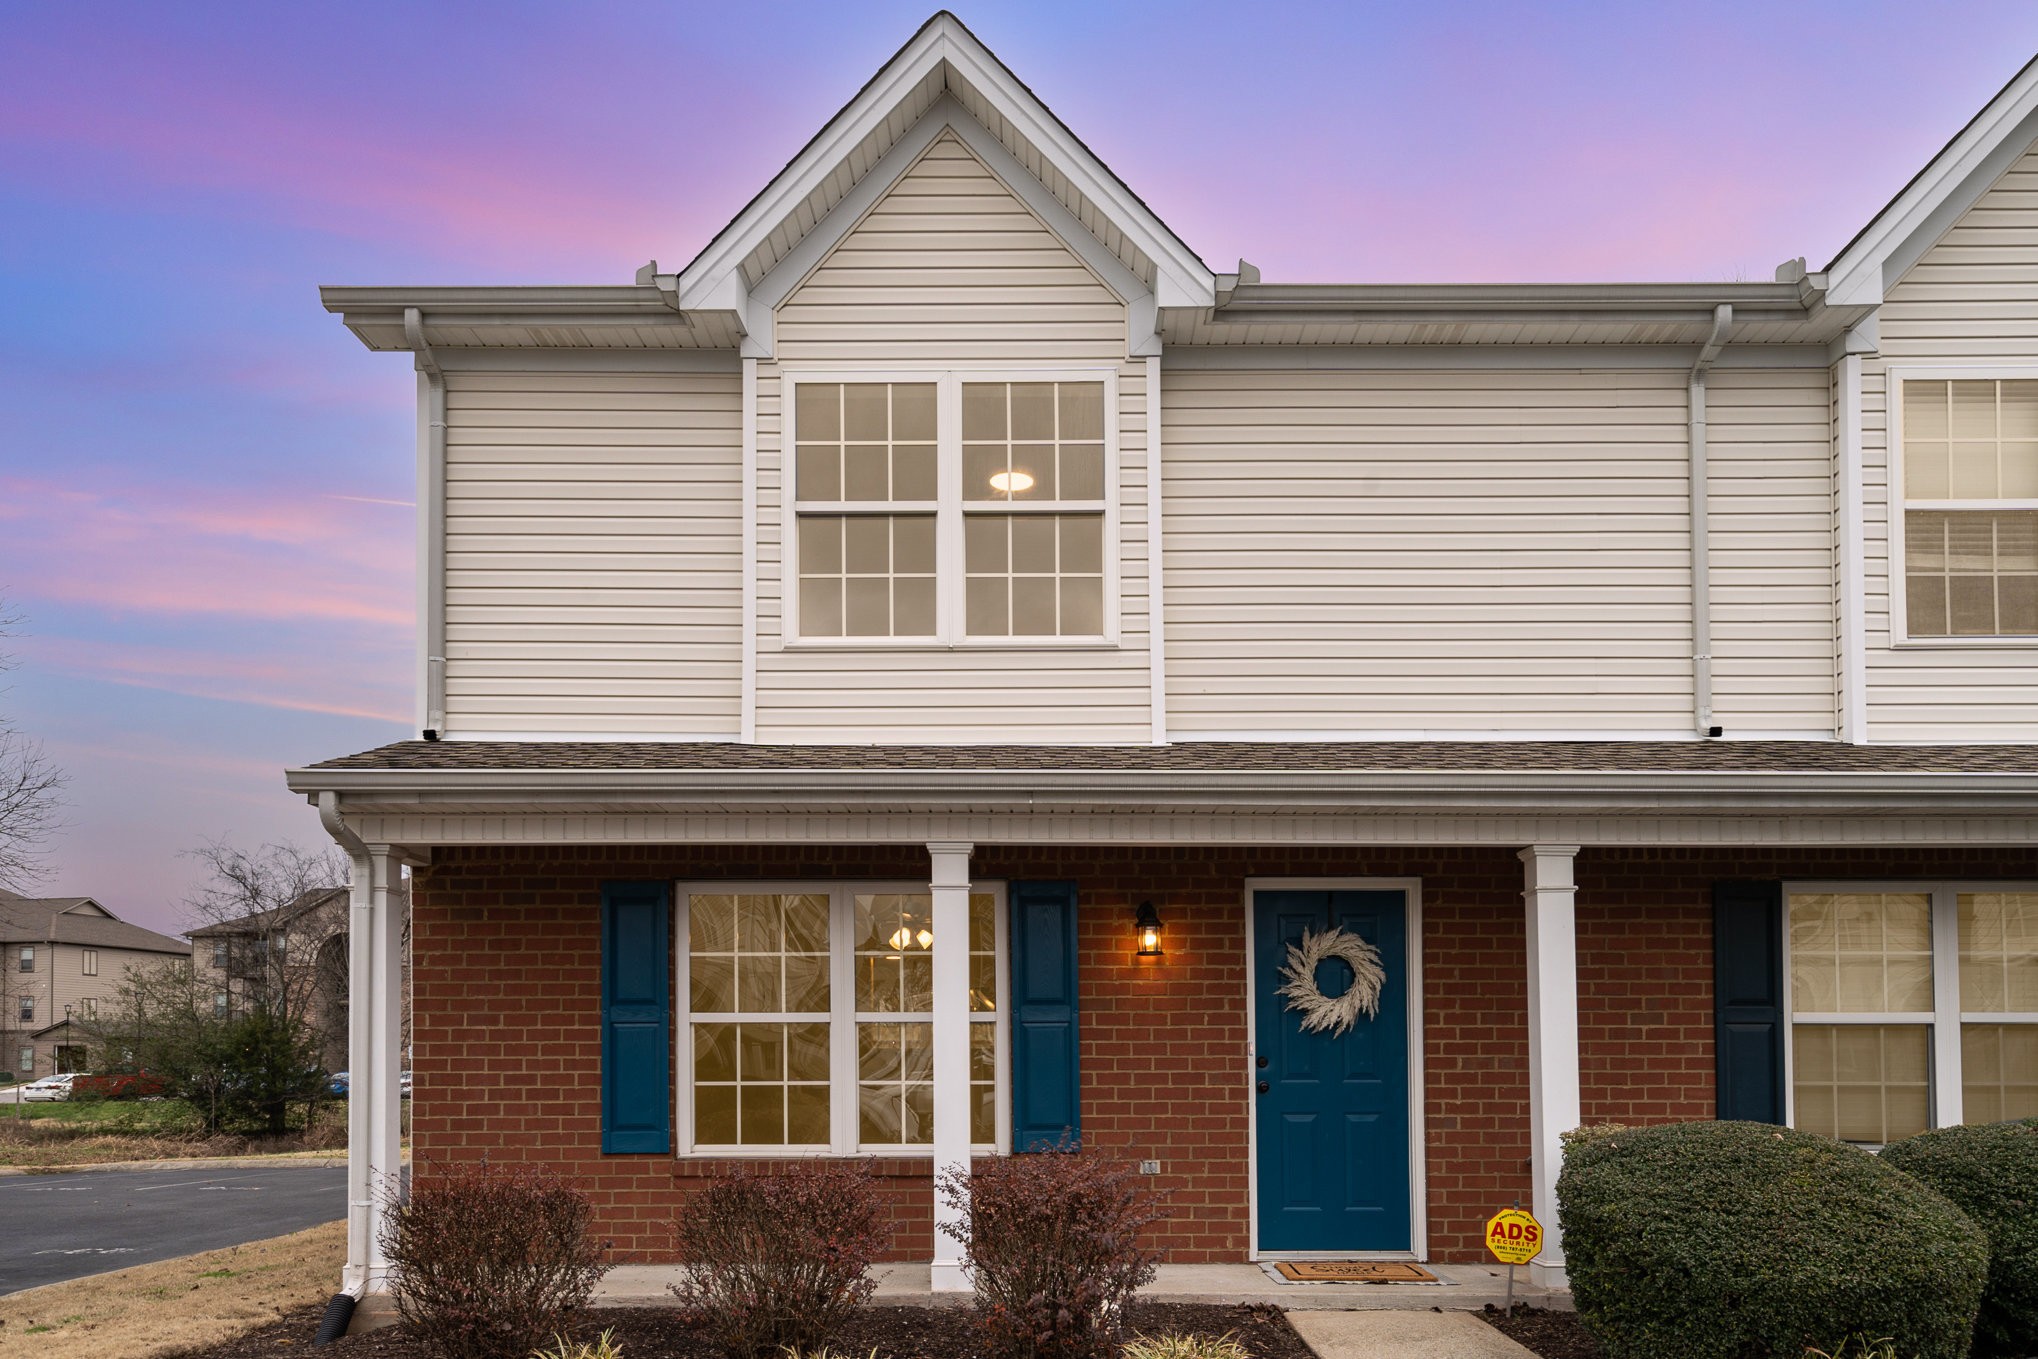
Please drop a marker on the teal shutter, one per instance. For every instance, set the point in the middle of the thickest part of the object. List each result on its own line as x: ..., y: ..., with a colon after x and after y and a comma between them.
x: 636, y: 1018
x: 1748, y: 1028
x: 1044, y: 1040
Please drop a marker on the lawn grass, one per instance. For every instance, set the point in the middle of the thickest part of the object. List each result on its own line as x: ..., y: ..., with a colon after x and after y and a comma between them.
x: 68, y: 1133
x: 174, y: 1304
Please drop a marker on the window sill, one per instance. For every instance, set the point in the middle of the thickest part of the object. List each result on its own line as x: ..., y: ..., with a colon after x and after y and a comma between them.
x: 701, y: 1165
x: 2019, y: 643
x: 928, y: 646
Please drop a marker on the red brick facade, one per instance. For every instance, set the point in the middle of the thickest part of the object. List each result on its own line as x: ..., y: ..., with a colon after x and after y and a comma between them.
x: 507, y: 992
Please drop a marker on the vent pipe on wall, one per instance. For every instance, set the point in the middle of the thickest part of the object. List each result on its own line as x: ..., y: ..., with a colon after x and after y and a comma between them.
x: 1701, y: 567
x: 432, y: 521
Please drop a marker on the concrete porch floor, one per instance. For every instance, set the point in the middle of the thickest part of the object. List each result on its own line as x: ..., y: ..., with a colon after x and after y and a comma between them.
x: 1460, y: 1288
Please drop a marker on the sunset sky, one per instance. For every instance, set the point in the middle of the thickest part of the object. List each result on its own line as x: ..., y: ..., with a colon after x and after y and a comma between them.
x: 206, y: 483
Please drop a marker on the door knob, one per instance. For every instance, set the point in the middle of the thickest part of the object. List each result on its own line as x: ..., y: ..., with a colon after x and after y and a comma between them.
x: 1261, y: 1063
x: 1264, y: 1087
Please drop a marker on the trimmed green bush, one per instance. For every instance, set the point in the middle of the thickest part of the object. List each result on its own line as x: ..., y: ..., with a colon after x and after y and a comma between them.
x: 1990, y: 1171
x: 1747, y: 1241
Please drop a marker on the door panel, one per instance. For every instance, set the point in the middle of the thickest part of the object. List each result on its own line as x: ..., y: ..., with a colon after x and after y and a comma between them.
x: 1333, y: 1172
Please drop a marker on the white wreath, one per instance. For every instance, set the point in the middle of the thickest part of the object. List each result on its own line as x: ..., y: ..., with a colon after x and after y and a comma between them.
x: 1332, y: 1014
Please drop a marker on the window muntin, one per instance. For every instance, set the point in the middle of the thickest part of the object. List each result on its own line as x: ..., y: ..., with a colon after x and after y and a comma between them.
x: 960, y: 510
x: 1970, y: 507
x: 852, y: 1068
x: 1911, y: 1007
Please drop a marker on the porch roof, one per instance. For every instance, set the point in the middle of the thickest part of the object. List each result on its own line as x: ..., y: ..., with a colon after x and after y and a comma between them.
x: 1246, y: 757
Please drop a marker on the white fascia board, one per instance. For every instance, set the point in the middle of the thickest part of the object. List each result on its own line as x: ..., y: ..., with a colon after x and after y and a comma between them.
x: 1459, y: 792
x: 1952, y: 180
x: 713, y: 280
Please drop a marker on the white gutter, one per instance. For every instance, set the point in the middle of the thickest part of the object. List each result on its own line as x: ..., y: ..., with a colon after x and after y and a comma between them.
x: 431, y: 523
x: 1701, y: 565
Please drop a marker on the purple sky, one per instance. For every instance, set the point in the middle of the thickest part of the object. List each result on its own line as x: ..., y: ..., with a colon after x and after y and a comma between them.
x: 205, y: 481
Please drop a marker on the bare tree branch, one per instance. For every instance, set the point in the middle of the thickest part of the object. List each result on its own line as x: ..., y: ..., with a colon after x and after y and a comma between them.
x: 30, y: 795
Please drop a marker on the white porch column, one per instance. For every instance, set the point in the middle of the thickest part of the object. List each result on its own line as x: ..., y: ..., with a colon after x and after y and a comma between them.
x: 950, y: 880
x: 1548, y: 894
x: 375, y: 1064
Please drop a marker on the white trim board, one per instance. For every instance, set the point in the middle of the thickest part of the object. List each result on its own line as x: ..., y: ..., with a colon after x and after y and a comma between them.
x: 1418, y: 1138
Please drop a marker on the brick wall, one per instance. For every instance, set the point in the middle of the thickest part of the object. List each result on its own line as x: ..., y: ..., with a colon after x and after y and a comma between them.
x: 507, y: 996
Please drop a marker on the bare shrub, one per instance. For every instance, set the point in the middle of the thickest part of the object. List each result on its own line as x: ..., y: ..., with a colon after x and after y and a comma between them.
x: 491, y: 1259
x: 771, y: 1262
x: 1055, y: 1242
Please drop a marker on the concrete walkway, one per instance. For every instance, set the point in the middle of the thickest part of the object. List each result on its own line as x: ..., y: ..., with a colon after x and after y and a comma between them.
x: 1403, y: 1335
x: 1461, y: 1288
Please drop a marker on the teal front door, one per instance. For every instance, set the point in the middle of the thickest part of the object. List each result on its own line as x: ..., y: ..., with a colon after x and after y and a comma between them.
x: 1331, y: 1114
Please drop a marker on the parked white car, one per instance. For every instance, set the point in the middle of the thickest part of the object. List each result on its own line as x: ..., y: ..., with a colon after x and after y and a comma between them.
x: 49, y: 1087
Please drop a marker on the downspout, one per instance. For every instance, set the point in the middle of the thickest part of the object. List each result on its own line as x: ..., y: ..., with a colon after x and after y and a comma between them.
x: 432, y: 523
x: 360, y: 998
x: 1701, y: 566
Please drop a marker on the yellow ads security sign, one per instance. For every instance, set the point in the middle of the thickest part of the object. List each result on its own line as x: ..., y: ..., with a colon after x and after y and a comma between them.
x: 1514, y: 1236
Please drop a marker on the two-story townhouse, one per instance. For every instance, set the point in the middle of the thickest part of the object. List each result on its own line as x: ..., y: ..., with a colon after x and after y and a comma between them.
x: 900, y: 686
x: 61, y: 959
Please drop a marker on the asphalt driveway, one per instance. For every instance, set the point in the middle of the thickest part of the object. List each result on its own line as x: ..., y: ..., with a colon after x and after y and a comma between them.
x: 57, y: 1227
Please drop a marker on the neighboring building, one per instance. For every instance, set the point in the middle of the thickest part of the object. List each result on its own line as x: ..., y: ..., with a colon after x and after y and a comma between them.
x: 832, y: 650
x: 291, y: 958
x: 62, y: 959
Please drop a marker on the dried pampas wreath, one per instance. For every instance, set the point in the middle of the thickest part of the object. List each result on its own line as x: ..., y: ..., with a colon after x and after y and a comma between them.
x: 1333, y: 1015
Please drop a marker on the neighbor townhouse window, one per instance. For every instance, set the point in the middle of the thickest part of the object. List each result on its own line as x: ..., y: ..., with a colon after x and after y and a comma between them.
x: 27, y: 1056
x: 27, y: 1009
x: 219, y: 953
x: 956, y: 509
x: 27, y: 963
x: 88, y: 1007
x: 88, y: 962
x: 1912, y: 1007
x: 809, y: 1020
x: 219, y: 1004
x: 1969, y: 450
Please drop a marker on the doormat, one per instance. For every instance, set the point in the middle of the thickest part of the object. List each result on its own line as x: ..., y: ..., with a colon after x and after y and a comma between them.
x: 1352, y: 1271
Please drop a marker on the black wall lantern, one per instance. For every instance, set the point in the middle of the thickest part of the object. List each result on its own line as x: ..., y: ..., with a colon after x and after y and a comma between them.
x: 1147, y: 925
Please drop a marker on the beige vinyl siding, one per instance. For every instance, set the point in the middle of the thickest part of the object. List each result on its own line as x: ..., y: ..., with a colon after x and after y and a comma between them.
x: 1771, y: 499
x: 1467, y: 550
x: 1971, y: 298
x: 594, y: 553
x: 949, y: 267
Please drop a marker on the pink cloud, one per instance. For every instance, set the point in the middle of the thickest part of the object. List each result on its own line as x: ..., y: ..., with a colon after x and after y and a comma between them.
x: 297, y: 680
x: 173, y: 551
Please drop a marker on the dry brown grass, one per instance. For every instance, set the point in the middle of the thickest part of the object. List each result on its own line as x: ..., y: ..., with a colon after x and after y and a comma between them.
x: 174, y: 1304
x: 103, y: 1133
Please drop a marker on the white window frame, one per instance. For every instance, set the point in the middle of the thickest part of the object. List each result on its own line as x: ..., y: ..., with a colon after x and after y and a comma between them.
x: 1894, y: 378
x: 950, y: 603
x: 843, y: 1017
x: 1944, y: 1018
x: 88, y: 962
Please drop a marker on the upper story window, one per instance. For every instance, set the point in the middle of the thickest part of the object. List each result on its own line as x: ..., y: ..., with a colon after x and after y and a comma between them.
x: 1969, y: 451
x: 27, y: 963
x: 219, y: 953
x: 26, y: 1009
x: 88, y: 962
x: 960, y: 508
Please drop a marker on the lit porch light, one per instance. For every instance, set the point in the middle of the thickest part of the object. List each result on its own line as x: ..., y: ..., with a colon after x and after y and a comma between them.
x: 1147, y: 925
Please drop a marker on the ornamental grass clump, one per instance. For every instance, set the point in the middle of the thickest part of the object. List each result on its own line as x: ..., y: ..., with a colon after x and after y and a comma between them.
x: 774, y: 1262
x: 1747, y: 1241
x: 1990, y: 1172
x: 1055, y: 1243
x: 491, y: 1259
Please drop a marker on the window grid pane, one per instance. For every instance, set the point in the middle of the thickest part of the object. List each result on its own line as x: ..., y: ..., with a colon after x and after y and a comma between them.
x: 867, y: 575
x: 1861, y: 952
x: 1971, y: 572
x: 1999, y: 952
x: 1998, y: 1072
x: 759, y: 1083
x: 1034, y: 575
x: 1039, y: 441
x: 1862, y: 1082
x: 870, y: 442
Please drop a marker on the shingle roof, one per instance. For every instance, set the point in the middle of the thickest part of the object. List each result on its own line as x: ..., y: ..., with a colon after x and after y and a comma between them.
x: 52, y: 920
x: 1670, y: 757
x: 260, y: 922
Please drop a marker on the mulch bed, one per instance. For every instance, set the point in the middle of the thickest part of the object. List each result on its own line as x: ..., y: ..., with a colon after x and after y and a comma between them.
x: 895, y: 1332
x: 1553, y: 1335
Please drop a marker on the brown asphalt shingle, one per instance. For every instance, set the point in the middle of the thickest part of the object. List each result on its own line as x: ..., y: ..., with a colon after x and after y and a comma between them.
x: 1670, y: 757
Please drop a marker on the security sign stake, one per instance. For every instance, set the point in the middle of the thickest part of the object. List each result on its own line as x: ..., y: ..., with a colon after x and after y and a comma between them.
x: 1515, y: 1238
